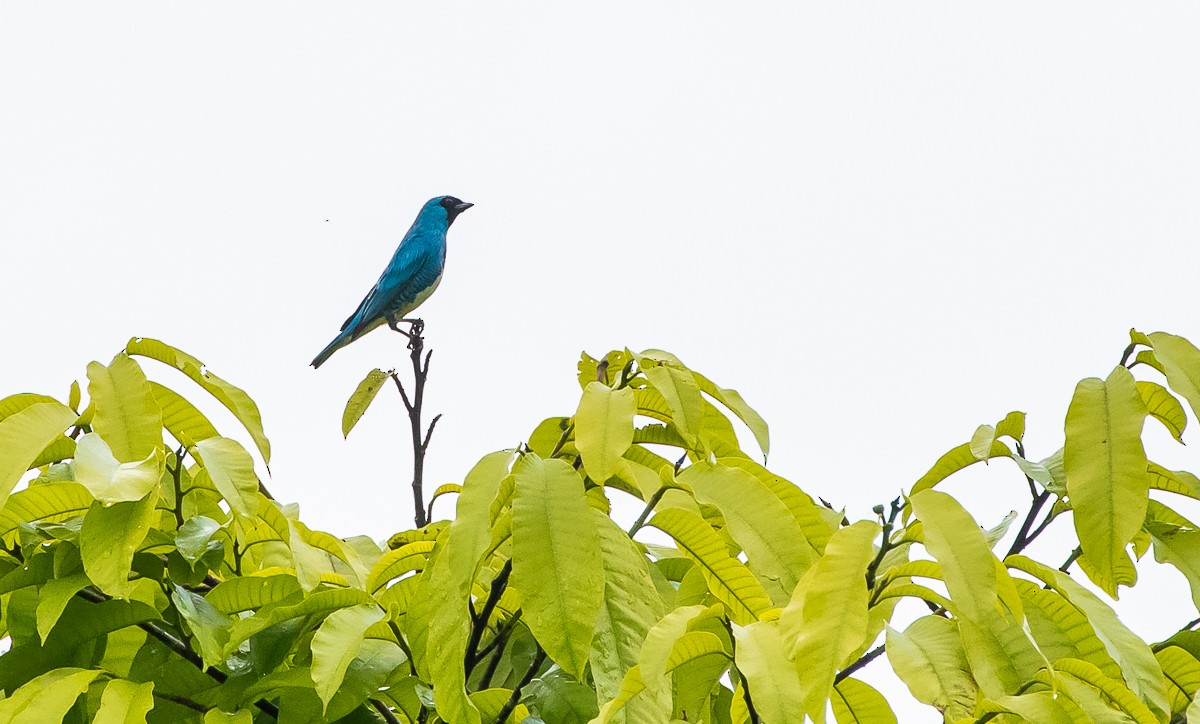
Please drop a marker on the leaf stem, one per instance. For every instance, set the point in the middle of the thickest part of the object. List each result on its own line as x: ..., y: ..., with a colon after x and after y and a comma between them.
x: 860, y: 662
x: 384, y: 711
x: 650, y: 504
x: 1074, y: 555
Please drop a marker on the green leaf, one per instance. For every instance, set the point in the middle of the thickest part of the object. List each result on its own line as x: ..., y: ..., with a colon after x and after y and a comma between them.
x: 929, y: 658
x: 393, y: 564
x: 126, y: 415
x: 1163, y: 406
x: 250, y: 592
x: 23, y: 435
x: 732, y: 400
x: 335, y: 645
x: 808, y: 514
x: 193, y: 537
x: 125, y: 702
x: 110, y: 481
x: 557, y: 698
x: 826, y: 620
x: 50, y: 502
x: 1061, y: 630
x: 181, y: 418
x: 778, y: 691
x: 631, y: 606
x: 1141, y: 670
x: 47, y: 698
x: 1013, y: 425
x: 557, y: 565
x: 362, y: 398
x: 983, y: 596
x: 728, y: 578
x: 451, y: 574
x: 109, y: 538
x: 1180, y: 482
x: 758, y: 520
x: 955, y: 460
x: 1106, y: 474
x: 650, y: 674
x: 855, y: 702
x: 492, y: 701
x: 233, y: 398
x: 678, y: 387
x: 604, y: 428
x: 319, y: 603
x: 53, y: 599
x: 209, y: 626
x: 1113, y: 690
x: 231, y: 470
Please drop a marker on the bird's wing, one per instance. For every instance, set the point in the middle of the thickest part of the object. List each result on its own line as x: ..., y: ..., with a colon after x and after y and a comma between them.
x: 412, y: 270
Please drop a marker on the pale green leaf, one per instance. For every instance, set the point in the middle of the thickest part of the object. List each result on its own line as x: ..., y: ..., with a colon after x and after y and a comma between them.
x: 218, y: 716
x: 362, y: 398
x: 53, y: 599
x: 1182, y: 672
x: 1141, y: 670
x: 1115, y: 691
x: 318, y: 603
x: 678, y: 387
x: 1061, y: 630
x: 808, y: 513
x: 245, y: 593
x: 779, y: 694
x: 557, y: 565
x: 393, y: 564
x: 604, y: 428
x: 1013, y: 425
x: 655, y: 654
x: 48, y: 697
x: 125, y: 702
x: 233, y: 398
x: 1106, y: 474
x: 826, y: 619
x: 1164, y: 407
x: 194, y: 536
x: 1040, y: 707
x: 758, y: 520
x: 231, y: 470
x: 50, y: 502
x: 181, y: 418
x: 335, y: 645
x: 109, y: 538
x: 1180, y: 361
x: 630, y: 608
x: 450, y: 575
x: 955, y: 460
x: 1181, y: 548
x: 1180, y: 482
x: 929, y: 658
x: 126, y: 415
x: 855, y: 702
x: 732, y: 400
x: 111, y: 481
x: 728, y: 579
x: 981, y: 442
x: 24, y: 434
x: 983, y: 596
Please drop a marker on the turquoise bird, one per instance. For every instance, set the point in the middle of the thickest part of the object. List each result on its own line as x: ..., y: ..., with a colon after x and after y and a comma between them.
x: 410, y: 277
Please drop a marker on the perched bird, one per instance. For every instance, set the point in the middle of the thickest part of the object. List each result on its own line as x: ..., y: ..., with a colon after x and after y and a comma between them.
x: 410, y: 277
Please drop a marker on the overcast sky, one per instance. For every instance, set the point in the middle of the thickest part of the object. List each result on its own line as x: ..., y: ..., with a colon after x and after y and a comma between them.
x: 884, y: 224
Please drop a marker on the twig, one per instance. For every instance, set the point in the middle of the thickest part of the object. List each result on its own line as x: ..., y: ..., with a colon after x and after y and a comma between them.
x: 176, y: 474
x: 384, y: 711
x: 416, y: 345
x: 745, y: 683
x: 886, y: 544
x: 497, y: 645
x: 513, y: 700
x: 479, y: 621
x: 181, y: 701
x: 641, y: 519
x: 1074, y: 555
x: 860, y: 662
x: 1024, y: 538
x: 173, y: 643
x: 1128, y: 351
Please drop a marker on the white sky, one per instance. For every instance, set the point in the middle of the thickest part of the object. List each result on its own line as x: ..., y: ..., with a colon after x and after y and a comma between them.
x: 883, y: 224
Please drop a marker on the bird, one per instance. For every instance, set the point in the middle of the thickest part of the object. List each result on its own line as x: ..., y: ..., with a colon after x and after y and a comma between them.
x: 409, y: 278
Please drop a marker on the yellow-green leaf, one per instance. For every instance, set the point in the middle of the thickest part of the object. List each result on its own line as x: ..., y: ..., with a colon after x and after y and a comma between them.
x: 125, y: 702
x: 758, y: 520
x: 126, y: 415
x: 1182, y: 672
x: 1113, y: 690
x: 981, y: 442
x: 778, y: 691
x: 955, y: 460
x: 729, y: 580
x: 181, y: 418
x: 1163, y: 406
x: 23, y: 435
x: 732, y: 400
x: 1180, y: 362
x: 108, y: 539
x: 929, y: 658
x: 826, y: 620
x: 231, y: 470
x: 48, y: 697
x: 557, y: 566
x: 1181, y: 548
x: 678, y: 387
x: 604, y: 428
x: 1106, y: 474
x: 855, y: 702
x: 335, y: 645
x: 246, y: 593
x: 362, y: 398
x: 232, y: 397
x: 393, y: 564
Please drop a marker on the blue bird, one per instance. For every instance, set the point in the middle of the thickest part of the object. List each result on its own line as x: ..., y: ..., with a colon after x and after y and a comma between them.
x: 410, y: 277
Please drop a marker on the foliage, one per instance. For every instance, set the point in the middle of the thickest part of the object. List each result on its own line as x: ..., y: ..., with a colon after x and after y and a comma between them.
x: 148, y: 575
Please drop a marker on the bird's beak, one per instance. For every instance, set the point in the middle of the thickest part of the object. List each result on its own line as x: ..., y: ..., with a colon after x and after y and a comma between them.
x: 459, y: 208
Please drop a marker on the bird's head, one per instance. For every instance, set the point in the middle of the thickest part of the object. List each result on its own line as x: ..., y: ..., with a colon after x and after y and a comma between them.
x: 449, y: 205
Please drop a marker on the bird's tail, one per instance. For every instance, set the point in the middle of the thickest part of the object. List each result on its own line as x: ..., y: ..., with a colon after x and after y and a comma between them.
x: 338, y: 342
